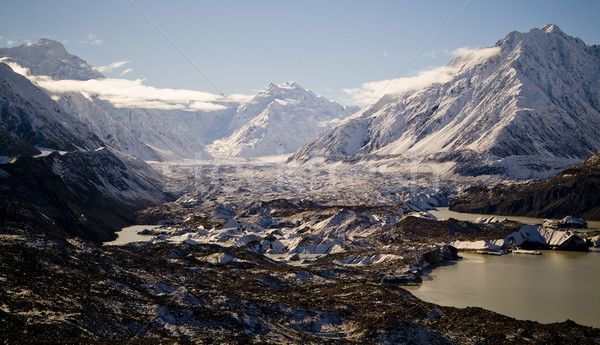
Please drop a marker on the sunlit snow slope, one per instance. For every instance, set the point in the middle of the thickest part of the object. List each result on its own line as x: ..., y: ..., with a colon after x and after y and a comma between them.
x: 526, y: 107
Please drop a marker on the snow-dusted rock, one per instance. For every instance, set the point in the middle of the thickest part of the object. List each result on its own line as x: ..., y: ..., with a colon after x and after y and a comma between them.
x: 596, y: 241
x: 220, y: 258
x: 491, y: 245
x: 535, y: 235
x: 424, y: 215
x: 529, y: 236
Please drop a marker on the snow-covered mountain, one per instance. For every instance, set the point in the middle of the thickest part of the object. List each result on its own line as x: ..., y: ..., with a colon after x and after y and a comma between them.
x: 527, y: 107
x: 163, y: 130
x: 103, y: 122
x: 32, y: 115
x: 278, y: 120
x: 50, y: 58
x: 149, y: 134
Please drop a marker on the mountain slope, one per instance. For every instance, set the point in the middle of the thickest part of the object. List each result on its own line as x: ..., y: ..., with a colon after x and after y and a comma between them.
x: 87, y: 190
x: 32, y: 115
x: 573, y: 192
x: 533, y: 97
x: 11, y: 145
x: 112, y: 132
x: 278, y: 120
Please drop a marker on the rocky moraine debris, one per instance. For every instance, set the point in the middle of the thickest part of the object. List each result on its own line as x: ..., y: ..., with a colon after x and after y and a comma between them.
x: 68, y: 291
x: 189, y: 287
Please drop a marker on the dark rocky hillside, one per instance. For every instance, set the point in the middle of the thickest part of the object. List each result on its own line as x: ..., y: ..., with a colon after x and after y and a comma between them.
x: 78, y: 194
x: 574, y: 191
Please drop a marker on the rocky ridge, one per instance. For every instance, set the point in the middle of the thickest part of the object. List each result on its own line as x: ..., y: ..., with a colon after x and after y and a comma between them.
x: 574, y: 191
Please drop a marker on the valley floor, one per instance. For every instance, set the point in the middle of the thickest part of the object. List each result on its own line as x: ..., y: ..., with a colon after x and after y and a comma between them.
x: 56, y: 291
x: 239, y: 261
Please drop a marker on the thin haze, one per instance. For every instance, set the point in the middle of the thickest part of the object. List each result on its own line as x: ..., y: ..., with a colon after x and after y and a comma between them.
x: 342, y: 50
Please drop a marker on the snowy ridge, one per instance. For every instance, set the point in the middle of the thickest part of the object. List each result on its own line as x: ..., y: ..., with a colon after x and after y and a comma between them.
x: 533, y: 97
x: 278, y: 120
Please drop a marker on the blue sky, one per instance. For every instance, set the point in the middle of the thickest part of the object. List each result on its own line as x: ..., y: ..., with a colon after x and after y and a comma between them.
x: 242, y: 46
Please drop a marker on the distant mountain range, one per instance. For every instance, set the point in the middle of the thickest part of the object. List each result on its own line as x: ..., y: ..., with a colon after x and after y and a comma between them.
x: 278, y: 120
x: 525, y: 108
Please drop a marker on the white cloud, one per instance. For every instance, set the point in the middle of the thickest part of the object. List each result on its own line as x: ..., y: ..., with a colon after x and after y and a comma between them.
x: 15, y: 66
x: 112, y: 66
x: 92, y: 39
x: 11, y: 42
x: 371, y: 91
x: 475, y: 54
x: 123, y: 93
x: 126, y: 71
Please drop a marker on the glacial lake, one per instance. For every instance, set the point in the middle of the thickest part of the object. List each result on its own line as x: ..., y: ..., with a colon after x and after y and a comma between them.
x: 443, y: 213
x: 130, y: 234
x: 547, y: 288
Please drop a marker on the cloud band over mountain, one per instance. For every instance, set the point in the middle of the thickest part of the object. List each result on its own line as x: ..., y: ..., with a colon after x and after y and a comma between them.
x: 123, y: 93
x: 371, y: 91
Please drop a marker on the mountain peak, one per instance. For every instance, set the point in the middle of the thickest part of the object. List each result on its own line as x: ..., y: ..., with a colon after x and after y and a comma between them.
x: 288, y: 85
x: 552, y: 28
x: 50, y: 58
x: 54, y: 45
x: 550, y: 34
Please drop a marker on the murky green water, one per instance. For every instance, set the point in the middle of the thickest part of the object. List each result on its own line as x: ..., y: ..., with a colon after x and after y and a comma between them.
x: 551, y: 287
x: 443, y: 213
x: 130, y: 234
